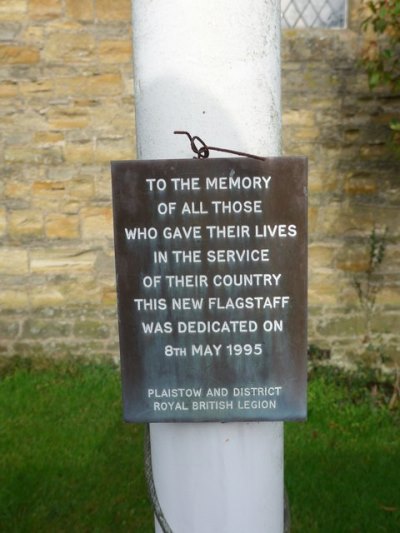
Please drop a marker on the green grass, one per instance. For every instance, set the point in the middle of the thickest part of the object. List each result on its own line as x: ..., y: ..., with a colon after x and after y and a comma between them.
x: 343, y: 465
x: 69, y: 463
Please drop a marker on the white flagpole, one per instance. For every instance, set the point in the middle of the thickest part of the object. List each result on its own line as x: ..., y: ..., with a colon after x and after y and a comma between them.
x: 212, y: 67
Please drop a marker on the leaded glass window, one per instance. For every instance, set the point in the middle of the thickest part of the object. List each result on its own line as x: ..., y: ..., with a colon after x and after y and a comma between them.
x: 314, y: 13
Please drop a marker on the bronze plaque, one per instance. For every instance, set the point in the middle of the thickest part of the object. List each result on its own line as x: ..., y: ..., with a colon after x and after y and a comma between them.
x: 211, y: 265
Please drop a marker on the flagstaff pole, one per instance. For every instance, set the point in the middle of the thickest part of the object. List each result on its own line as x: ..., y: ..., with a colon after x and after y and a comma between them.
x: 212, y: 68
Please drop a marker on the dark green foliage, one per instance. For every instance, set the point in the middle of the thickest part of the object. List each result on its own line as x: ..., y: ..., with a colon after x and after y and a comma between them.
x: 382, y: 52
x: 382, y: 58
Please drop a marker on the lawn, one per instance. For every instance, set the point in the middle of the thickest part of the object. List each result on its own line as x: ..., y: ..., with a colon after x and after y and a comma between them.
x: 69, y: 463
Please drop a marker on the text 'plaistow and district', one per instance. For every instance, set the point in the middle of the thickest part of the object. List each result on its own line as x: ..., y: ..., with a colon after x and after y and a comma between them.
x: 215, y: 398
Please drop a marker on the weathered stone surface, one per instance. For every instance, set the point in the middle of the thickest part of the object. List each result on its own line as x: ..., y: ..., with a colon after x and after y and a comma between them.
x: 91, y: 329
x: 34, y: 328
x: 25, y: 224
x: 112, y: 51
x: 81, y: 152
x: 66, y: 110
x: 69, y: 48
x: 67, y: 118
x: 108, y: 10
x: 12, y: 10
x: 8, y: 329
x: 106, y: 84
x: 44, y: 9
x: 48, y: 137
x: 62, y: 260
x: 3, y: 221
x: 13, y: 298
x: 61, y: 226
x: 345, y: 326
x: 18, y: 55
x: 8, y: 89
x: 13, y: 261
x: 80, y: 9
x: 96, y: 223
x: 46, y: 295
x: 22, y: 153
x: 114, y: 149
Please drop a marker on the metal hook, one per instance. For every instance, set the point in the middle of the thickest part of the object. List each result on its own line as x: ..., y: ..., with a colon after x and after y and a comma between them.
x: 203, y: 151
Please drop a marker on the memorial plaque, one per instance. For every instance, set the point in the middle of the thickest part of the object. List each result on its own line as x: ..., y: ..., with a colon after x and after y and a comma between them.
x: 211, y: 264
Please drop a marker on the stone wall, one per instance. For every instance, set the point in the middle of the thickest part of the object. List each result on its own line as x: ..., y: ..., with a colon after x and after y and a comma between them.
x: 66, y: 110
x: 331, y: 116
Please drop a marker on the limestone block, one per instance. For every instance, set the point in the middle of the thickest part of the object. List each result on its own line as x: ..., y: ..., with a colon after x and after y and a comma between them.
x: 71, y: 207
x: 105, y: 84
x: 69, y: 86
x: 114, y: 149
x: 23, y: 153
x: 12, y: 10
x: 44, y: 9
x: 17, y: 190
x: 25, y: 223
x: 116, y: 117
x: 374, y: 151
x: 385, y: 322
x: 52, y: 189
x: 3, y: 221
x: 79, y: 152
x: 67, y: 118
x: 391, y: 261
x: 69, y: 48
x: 65, y: 25
x: 321, y: 180
x: 18, y: 55
x: 13, y: 261
x: 13, y: 298
x: 30, y: 349
x: 321, y: 255
x: 342, y: 326
x: 352, y: 259
x: 61, y: 226
x: 36, y: 87
x: 33, y: 35
x: 84, y: 290
x: 109, y: 296
x: 91, y: 329
x: 322, y: 287
x: 8, y: 329
x: 110, y: 10
x: 48, y: 195
x: 46, y: 295
x: 305, y: 133
x: 80, y: 9
x: 8, y: 89
x: 103, y: 187
x: 34, y: 328
x: 115, y: 52
x: 48, y: 137
x: 96, y: 222
x: 313, y: 213
x: 296, y: 117
x: 62, y: 260
x: 389, y: 296
x: 81, y: 188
